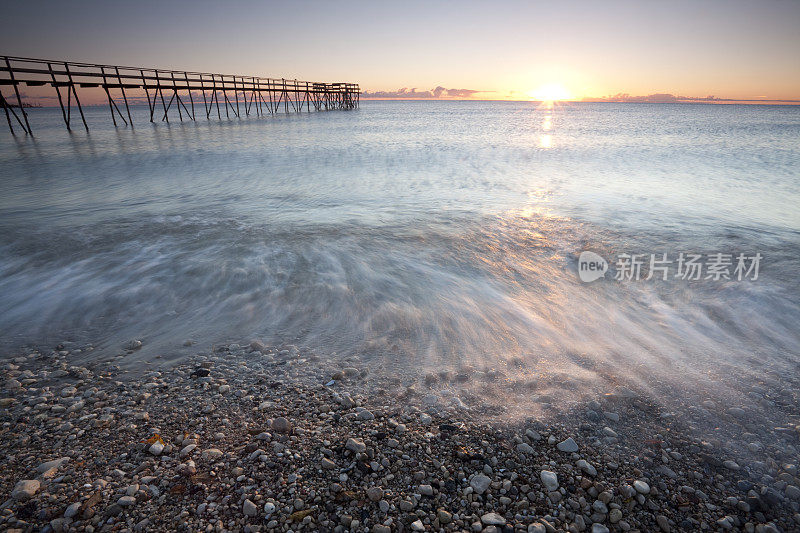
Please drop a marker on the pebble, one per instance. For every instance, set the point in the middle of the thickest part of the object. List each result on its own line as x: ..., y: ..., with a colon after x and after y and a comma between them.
x: 586, y: 468
x: 127, y: 501
x: 25, y: 489
x: 374, y: 493
x: 156, y: 448
x: 212, y: 453
x: 493, y: 519
x: 72, y: 510
x: 641, y: 487
x: 549, y: 479
x: 355, y: 445
x: 365, y: 415
x: 249, y: 508
x: 569, y: 445
x: 281, y: 425
x: 480, y: 483
x: 426, y: 490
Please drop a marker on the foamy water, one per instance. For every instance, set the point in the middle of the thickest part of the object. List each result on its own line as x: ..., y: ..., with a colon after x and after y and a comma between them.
x: 415, y: 237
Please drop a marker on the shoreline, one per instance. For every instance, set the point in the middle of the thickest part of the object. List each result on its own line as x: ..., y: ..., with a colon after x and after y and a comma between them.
x: 246, y: 446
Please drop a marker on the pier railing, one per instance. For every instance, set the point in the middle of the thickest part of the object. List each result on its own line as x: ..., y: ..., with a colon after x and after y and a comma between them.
x: 193, y: 94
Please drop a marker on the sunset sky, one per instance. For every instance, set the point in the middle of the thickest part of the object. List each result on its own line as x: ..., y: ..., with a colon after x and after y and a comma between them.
x: 730, y: 49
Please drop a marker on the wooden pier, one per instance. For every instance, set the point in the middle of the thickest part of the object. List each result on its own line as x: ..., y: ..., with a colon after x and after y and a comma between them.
x: 165, y: 90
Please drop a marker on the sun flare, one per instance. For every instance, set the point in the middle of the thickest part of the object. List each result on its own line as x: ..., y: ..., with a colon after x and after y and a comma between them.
x: 551, y: 92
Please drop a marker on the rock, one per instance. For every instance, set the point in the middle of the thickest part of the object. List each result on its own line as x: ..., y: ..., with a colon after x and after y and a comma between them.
x: 224, y: 389
x: 615, y: 516
x: 569, y: 445
x: 599, y: 528
x: 586, y: 468
x: 443, y: 516
x: 356, y: 445
x: 25, y: 489
x: 641, y: 487
x: 550, y: 480
x: 537, y: 528
x: 72, y: 510
x: 608, y: 432
x: 281, y: 425
x: 731, y: 465
x: 269, y: 508
x: 249, y: 508
x: 417, y: 526
x: 792, y: 492
x: 156, y: 448
x: 212, y: 453
x: 493, y: 519
x: 524, y: 447
x: 374, y: 493
x: 480, y: 483
x: 365, y: 415
x: 126, y: 501
x: 327, y: 464
x: 533, y: 435
x: 134, y: 344
x: 663, y: 523
x: 56, y: 463
x: 186, y: 450
x: 426, y: 490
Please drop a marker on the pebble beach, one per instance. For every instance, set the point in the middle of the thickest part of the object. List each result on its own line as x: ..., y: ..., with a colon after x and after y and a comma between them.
x: 249, y: 437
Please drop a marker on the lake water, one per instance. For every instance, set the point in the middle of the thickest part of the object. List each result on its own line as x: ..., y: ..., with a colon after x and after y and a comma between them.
x: 416, y: 237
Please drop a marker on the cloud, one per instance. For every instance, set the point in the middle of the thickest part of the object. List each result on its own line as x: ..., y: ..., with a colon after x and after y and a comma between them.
x: 657, y: 98
x: 438, y: 92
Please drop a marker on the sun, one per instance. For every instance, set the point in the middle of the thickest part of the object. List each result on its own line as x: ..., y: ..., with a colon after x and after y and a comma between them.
x: 551, y: 92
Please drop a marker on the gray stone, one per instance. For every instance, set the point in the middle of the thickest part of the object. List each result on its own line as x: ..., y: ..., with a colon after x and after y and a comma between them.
x: 249, y: 508
x: 281, y: 425
x: 480, y: 483
x: 493, y: 519
x: 550, y: 480
x: 568, y: 445
x: 356, y: 445
x: 374, y: 493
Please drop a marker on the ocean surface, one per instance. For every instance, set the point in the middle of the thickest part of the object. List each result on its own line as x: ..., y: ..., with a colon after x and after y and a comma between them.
x: 411, y: 238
